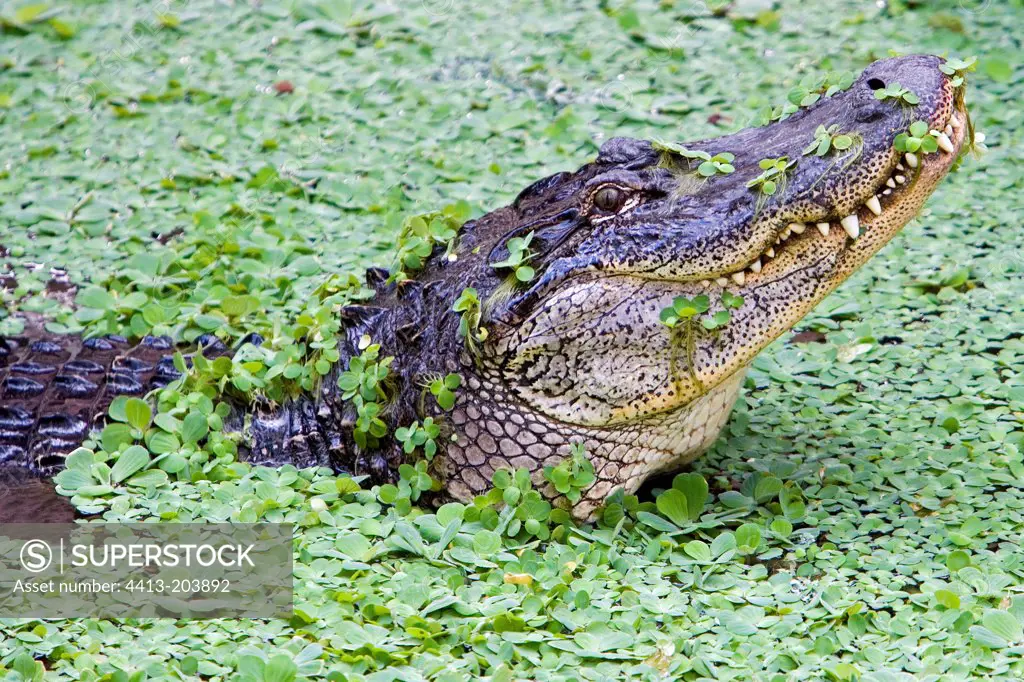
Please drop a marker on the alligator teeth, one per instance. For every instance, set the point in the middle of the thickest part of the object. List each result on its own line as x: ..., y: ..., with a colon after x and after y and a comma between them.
x: 851, y: 225
x: 911, y: 158
x: 886, y: 192
x: 890, y: 183
x: 739, y: 277
x: 949, y: 129
x: 823, y: 228
x: 873, y: 205
x: 954, y: 122
x: 797, y: 228
x: 770, y: 252
x: 901, y: 179
x: 785, y: 234
x: 945, y: 144
x: 722, y: 282
x: 704, y: 283
x: 899, y: 167
x: 756, y: 266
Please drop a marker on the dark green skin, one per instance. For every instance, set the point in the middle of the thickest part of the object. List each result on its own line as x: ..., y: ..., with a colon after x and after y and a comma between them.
x: 578, y: 354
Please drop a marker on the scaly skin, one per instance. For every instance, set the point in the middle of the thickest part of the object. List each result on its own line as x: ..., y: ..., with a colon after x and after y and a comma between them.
x: 579, y: 354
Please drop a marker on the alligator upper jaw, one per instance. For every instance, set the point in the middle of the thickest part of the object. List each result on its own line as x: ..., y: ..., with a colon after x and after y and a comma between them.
x: 834, y: 244
x: 849, y: 240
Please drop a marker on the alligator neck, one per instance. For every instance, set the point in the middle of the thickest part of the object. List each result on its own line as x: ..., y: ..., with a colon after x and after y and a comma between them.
x: 493, y: 430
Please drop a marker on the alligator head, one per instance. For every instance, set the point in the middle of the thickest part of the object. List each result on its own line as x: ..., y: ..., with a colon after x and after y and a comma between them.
x: 583, y: 354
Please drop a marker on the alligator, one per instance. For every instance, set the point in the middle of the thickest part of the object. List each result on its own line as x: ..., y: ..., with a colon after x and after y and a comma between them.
x: 579, y: 350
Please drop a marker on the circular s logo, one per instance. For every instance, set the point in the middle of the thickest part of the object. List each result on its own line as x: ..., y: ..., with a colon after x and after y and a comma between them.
x: 36, y: 556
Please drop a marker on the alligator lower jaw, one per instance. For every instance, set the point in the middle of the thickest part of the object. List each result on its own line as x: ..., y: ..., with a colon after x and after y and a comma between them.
x: 893, y: 203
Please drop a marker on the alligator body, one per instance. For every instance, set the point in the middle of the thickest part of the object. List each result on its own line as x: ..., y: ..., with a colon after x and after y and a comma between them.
x: 581, y: 352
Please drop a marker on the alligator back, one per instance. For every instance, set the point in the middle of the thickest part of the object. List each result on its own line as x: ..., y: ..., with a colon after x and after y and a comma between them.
x: 55, y: 389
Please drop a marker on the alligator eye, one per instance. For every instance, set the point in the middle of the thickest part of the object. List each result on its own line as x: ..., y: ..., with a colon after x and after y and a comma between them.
x: 609, y: 199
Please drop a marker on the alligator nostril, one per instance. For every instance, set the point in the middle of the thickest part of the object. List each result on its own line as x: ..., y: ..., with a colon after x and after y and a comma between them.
x: 876, y: 83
